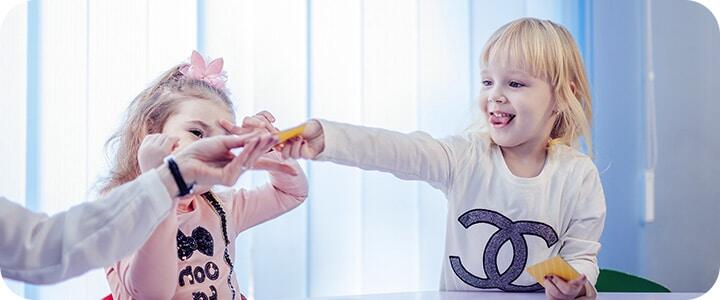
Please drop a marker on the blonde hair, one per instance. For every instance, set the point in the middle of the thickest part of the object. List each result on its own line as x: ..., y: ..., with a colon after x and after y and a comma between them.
x: 547, y: 50
x: 148, y: 113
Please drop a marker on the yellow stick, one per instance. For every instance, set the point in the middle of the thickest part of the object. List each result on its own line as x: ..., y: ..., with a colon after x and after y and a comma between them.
x: 287, y: 134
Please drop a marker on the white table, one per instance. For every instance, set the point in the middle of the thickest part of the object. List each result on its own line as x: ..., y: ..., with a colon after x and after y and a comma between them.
x: 504, y: 296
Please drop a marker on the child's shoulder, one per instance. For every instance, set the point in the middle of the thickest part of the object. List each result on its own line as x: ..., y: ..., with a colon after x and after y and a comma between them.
x: 467, y: 148
x: 476, y: 141
x: 224, y: 194
x: 573, y: 160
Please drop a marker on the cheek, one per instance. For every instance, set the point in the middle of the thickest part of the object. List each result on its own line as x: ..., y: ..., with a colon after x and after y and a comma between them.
x: 483, y: 104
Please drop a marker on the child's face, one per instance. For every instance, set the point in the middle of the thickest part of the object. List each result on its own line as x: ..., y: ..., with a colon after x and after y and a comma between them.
x: 518, y: 106
x: 195, y: 119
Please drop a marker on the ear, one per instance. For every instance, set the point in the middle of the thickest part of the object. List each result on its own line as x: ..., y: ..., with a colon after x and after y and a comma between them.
x: 573, y: 87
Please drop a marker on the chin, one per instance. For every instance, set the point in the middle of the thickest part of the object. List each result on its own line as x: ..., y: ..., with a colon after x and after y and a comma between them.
x: 505, y: 141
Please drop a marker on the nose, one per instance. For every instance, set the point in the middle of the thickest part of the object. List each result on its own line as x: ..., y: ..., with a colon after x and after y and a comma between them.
x: 496, y: 99
x: 495, y: 94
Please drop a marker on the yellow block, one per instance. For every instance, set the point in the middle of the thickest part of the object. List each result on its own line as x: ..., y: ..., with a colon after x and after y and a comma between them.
x: 290, y: 133
x: 555, y: 266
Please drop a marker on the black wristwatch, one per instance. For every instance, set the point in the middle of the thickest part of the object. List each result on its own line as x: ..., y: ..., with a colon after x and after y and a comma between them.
x: 183, y: 188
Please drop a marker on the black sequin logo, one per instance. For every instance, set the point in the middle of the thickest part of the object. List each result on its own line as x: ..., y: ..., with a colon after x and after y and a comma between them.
x: 507, y: 231
x: 200, y: 240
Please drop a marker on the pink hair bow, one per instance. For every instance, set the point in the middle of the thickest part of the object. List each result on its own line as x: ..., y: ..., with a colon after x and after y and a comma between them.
x: 211, y: 73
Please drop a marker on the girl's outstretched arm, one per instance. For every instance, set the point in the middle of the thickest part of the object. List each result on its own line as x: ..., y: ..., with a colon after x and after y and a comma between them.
x: 413, y: 156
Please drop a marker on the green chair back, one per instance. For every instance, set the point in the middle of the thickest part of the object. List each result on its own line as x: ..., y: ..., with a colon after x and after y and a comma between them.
x: 616, y: 281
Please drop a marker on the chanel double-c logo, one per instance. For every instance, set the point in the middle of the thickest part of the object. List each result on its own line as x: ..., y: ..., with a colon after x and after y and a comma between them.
x: 507, y: 231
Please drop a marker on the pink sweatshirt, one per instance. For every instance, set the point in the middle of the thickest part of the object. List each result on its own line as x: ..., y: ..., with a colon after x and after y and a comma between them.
x: 184, y: 257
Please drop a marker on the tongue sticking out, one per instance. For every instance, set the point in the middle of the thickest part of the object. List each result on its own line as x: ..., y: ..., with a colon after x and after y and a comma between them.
x: 500, y: 120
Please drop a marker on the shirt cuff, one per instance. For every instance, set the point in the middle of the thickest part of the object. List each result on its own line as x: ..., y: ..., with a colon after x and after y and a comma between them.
x: 330, y: 133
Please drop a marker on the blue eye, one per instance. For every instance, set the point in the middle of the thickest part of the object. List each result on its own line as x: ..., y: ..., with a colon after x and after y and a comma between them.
x: 516, y: 84
x: 196, y: 133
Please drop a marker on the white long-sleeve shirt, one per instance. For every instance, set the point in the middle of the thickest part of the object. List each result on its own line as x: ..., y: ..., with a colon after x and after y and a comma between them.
x: 497, y: 223
x: 39, y: 249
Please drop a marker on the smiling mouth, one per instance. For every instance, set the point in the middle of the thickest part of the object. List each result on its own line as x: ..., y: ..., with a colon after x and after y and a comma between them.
x: 500, y: 119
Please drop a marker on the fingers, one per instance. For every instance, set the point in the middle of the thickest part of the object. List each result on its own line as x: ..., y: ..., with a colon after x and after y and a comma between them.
x: 557, y: 288
x: 307, y: 152
x: 231, y: 128
x: 253, y: 149
x: 578, y: 285
x: 260, y: 121
x: 267, y: 115
x: 233, y: 170
x: 152, y: 139
x: 290, y: 148
x: 265, y: 143
x: 153, y: 149
x: 230, y: 142
x: 551, y: 290
x: 169, y: 143
x: 568, y: 288
x: 312, y: 130
x: 295, y: 148
x: 247, y: 152
x: 233, y: 141
x: 227, y: 125
x: 578, y: 282
x: 285, y: 149
x: 263, y: 119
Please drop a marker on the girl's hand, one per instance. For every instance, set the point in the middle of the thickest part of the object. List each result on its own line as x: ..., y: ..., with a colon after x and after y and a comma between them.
x: 261, y: 122
x: 558, y: 289
x: 308, y: 145
x: 209, y: 161
x: 154, y: 148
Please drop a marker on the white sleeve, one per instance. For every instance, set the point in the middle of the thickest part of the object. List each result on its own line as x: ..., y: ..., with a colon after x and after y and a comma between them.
x: 581, y: 240
x: 39, y: 249
x: 413, y: 156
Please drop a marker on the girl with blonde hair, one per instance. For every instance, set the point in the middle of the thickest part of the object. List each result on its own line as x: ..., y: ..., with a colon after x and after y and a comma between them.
x: 522, y: 180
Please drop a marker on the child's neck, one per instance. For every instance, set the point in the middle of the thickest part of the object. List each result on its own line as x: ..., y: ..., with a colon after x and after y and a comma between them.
x: 187, y: 204
x: 525, y: 160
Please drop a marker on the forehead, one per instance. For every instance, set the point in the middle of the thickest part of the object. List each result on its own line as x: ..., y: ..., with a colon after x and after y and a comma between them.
x: 503, y: 70
x: 531, y: 58
x: 202, y: 109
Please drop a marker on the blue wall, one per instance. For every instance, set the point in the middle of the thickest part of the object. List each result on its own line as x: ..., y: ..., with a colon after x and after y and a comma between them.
x: 681, y: 248
x: 618, y: 127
